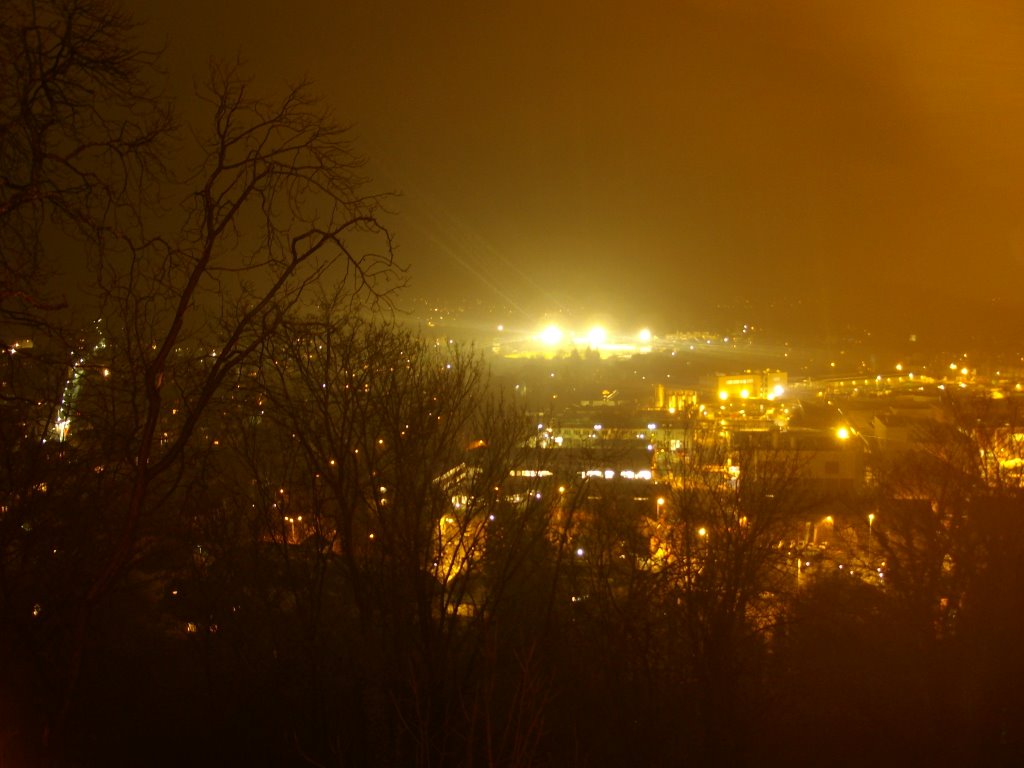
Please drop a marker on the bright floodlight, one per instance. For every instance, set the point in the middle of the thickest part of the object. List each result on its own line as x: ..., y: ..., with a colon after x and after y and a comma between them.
x: 843, y: 433
x: 645, y: 336
x: 596, y: 337
x: 551, y: 335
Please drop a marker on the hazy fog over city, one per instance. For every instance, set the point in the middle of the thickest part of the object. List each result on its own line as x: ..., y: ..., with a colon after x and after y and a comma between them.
x: 511, y: 383
x: 806, y: 165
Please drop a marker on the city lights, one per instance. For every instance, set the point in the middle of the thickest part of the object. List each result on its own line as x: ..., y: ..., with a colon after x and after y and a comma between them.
x: 557, y: 339
x: 571, y: 458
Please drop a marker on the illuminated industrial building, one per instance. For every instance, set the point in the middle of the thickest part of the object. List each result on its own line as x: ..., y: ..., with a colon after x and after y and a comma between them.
x: 749, y: 385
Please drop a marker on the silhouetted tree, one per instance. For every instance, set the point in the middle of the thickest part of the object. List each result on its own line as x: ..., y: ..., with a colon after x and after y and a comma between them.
x: 375, y: 466
x: 275, y: 207
x: 81, y: 133
x: 731, y: 573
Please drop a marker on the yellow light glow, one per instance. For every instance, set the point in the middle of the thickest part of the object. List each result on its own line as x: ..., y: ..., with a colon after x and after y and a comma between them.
x: 843, y: 433
x: 596, y: 337
x: 551, y: 335
x: 702, y: 532
x: 723, y: 395
x: 645, y: 336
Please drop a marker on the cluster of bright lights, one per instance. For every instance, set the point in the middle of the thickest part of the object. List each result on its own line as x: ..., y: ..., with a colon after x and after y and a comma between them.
x: 62, y: 424
x: 744, y: 394
x: 610, y: 474
x: 597, y: 337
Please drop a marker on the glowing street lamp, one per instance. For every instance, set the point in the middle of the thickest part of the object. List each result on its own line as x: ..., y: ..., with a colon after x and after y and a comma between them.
x: 291, y: 526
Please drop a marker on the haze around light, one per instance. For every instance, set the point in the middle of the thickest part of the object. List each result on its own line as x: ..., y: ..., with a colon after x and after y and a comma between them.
x: 806, y: 164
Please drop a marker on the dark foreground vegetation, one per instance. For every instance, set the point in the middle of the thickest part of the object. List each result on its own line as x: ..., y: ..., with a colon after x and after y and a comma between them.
x: 245, y: 520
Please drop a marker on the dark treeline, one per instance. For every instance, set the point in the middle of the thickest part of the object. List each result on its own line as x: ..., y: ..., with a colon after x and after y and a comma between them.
x: 247, y: 520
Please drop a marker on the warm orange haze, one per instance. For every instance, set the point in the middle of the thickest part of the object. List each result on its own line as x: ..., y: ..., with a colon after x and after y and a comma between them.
x: 526, y: 384
x: 822, y: 166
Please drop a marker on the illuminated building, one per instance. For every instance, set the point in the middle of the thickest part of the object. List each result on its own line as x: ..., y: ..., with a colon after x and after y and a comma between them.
x: 752, y: 386
x: 674, y: 400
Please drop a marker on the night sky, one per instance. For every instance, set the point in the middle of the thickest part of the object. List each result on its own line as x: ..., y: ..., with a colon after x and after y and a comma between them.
x: 800, y: 161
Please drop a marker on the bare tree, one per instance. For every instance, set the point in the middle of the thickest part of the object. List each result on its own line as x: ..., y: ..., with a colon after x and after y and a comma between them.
x: 81, y: 129
x: 275, y: 208
x: 922, y: 533
x: 410, y: 455
x: 730, y: 516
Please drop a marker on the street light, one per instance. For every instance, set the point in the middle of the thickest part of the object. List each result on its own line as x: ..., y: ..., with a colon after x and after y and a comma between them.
x: 292, y: 539
x: 871, y: 523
